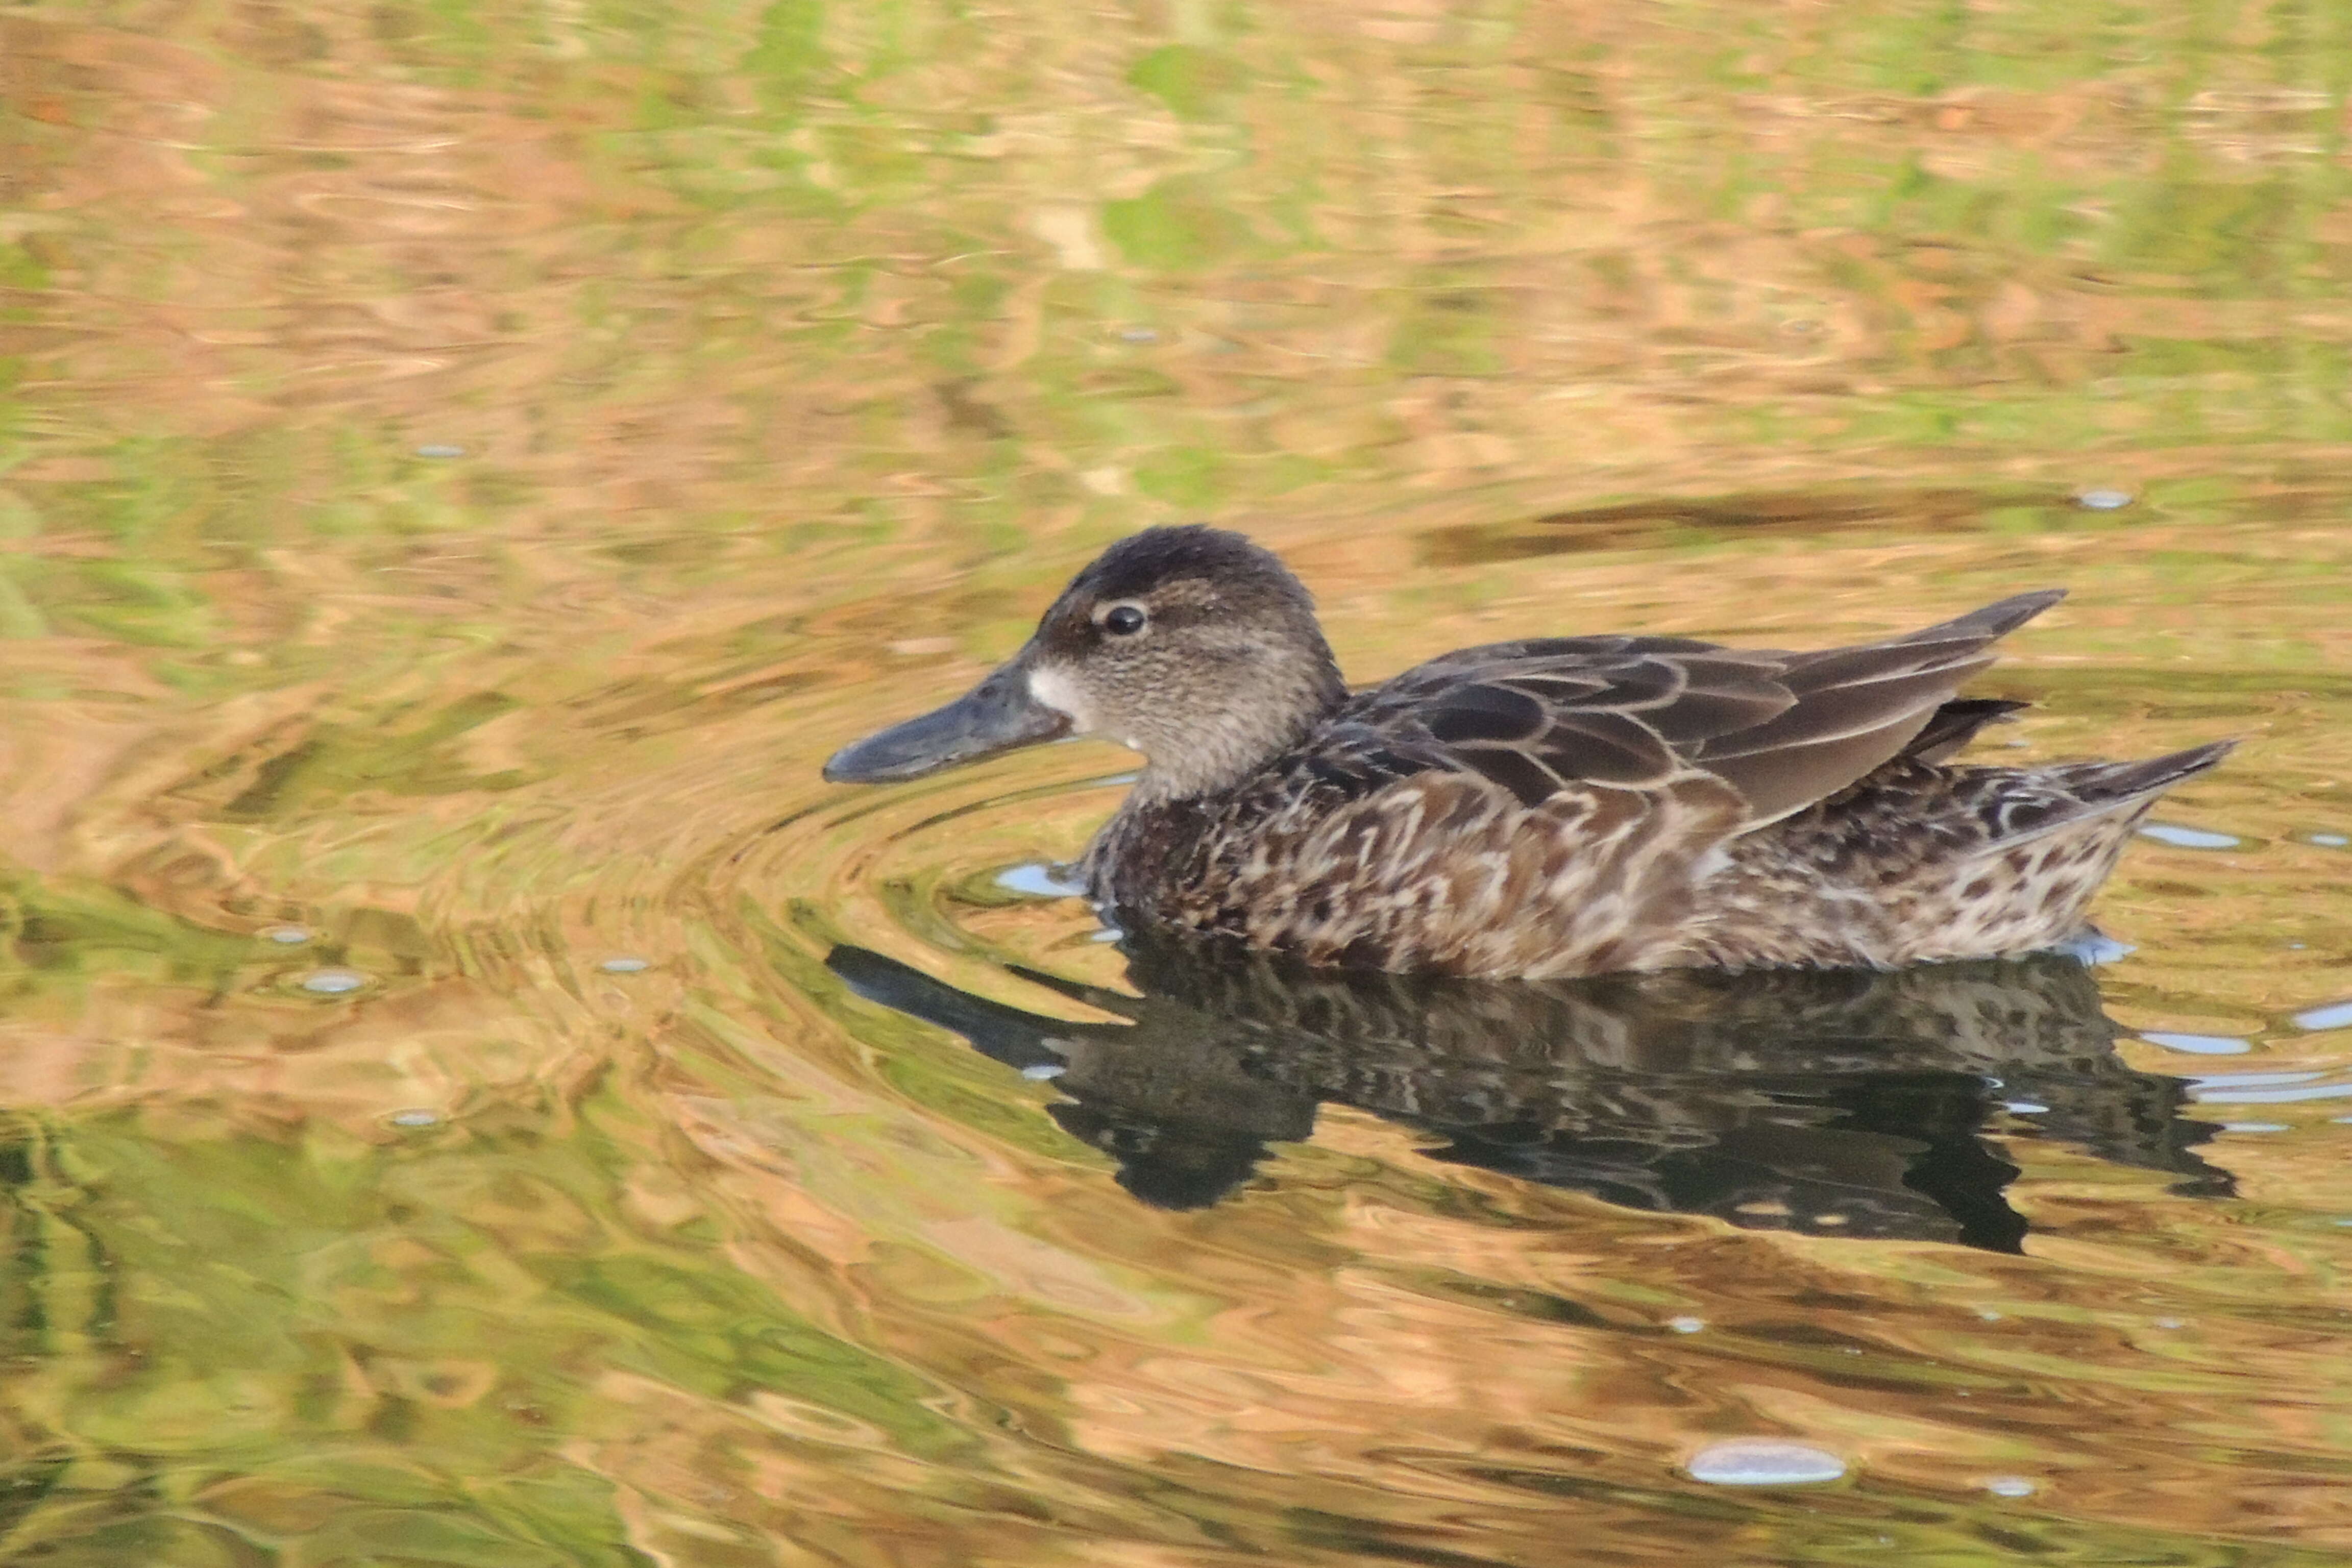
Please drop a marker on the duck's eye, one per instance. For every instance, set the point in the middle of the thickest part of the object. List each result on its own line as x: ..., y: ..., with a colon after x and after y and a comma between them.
x: 1123, y: 620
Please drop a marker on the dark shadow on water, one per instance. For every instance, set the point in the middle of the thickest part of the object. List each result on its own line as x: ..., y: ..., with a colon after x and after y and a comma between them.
x: 1810, y: 512
x: 1830, y: 1102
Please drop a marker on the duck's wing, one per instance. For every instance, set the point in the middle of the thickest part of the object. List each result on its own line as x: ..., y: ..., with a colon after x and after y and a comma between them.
x: 1640, y: 713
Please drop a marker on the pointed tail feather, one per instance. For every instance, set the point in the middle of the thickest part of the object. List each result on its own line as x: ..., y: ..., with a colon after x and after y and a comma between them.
x: 2104, y: 786
x: 2045, y: 800
x: 2024, y: 804
x: 1997, y: 619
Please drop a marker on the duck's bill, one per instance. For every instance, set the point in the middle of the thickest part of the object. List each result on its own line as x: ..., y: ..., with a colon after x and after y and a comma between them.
x: 997, y: 715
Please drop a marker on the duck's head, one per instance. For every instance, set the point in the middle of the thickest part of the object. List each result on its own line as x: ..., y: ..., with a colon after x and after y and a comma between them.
x: 1190, y: 645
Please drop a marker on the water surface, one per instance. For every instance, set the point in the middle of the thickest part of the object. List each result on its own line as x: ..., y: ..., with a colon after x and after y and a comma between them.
x: 472, y: 1095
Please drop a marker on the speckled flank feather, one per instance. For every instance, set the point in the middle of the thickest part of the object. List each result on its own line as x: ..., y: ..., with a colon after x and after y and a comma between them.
x: 1550, y: 807
x: 1439, y: 873
x: 1922, y: 861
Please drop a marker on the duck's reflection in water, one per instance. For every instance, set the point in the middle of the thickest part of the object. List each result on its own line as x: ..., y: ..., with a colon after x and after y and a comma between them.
x: 1836, y: 1102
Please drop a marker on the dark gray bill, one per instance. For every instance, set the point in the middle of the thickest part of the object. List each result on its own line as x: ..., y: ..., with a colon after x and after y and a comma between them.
x: 994, y: 716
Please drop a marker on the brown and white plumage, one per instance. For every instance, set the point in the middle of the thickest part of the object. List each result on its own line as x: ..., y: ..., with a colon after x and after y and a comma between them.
x: 1551, y: 806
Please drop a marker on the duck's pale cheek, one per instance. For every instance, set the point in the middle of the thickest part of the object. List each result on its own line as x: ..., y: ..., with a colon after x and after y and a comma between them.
x: 1054, y: 689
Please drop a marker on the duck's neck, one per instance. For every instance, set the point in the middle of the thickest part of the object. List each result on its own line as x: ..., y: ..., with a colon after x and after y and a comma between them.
x: 1206, y: 752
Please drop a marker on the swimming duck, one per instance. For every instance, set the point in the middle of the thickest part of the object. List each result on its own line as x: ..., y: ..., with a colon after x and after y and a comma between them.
x: 1548, y: 807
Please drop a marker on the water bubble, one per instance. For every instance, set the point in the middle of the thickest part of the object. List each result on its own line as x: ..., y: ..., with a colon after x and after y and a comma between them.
x: 2330, y: 840
x: 2181, y: 837
x: 2200, y: 1045
x: 1764, y: 1462
x: 289, y: 935
x: 2266, y: 1088
x: 1036, y: 881
x: 2335, y: 1016
x: 624, y: 963
x: 1686, y: 1325
x: 2025, y: 1108
x: 1044, y: 1072
x: 333, y: 982
x: 2093, y: 948
x: 1137, y: 335
x: 2008, y: 1485
x: 2265, y: 1080
x: 1989, y: 1315
x: 2103, y: 499
x: 2170, y: 1322
x: 2255, y: 1127
x: 440, y: 449
x: 416, y: 1118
